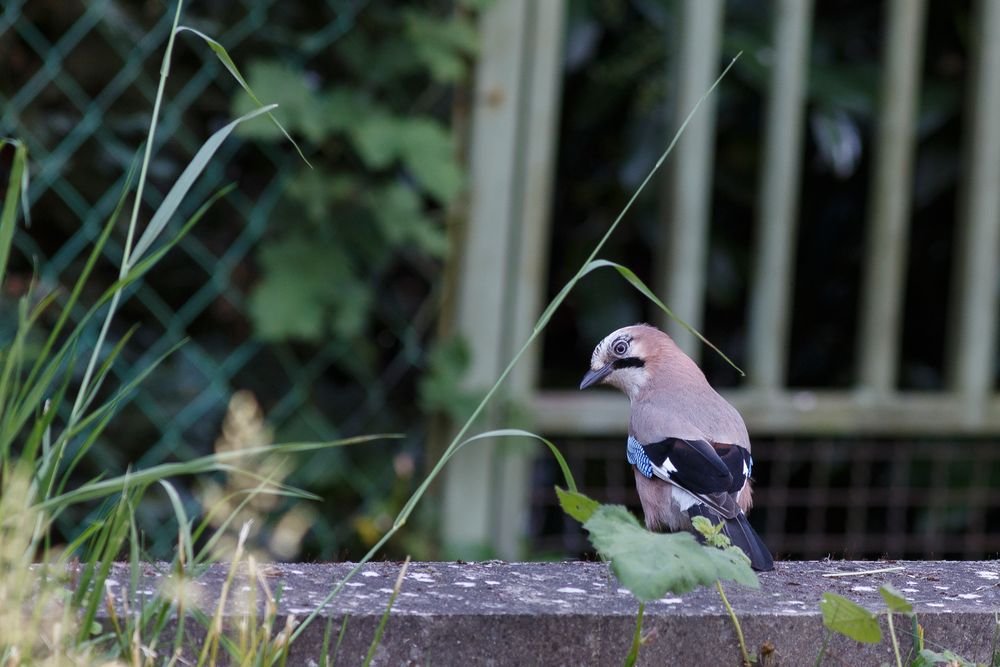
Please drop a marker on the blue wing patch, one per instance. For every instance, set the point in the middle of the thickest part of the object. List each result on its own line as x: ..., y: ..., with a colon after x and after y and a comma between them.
x: 695, y: 465
x: 636, y: 456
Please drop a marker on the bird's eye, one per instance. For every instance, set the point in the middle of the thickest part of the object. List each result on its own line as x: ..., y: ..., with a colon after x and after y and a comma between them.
x: 620, y: 348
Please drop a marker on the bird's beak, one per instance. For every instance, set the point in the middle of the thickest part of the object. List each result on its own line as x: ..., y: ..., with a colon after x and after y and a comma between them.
x: 595, y: 376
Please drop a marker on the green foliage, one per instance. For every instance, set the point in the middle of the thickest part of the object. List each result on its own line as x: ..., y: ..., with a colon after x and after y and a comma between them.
x: 929, y: 658
x: 385, y: 168
x: 48, y: 617
x: 850, y: 619
x: 894, y: 599
x: 649, y: 564
x: 577, y: 505
x: 308, y: 290
x: 440, y: 388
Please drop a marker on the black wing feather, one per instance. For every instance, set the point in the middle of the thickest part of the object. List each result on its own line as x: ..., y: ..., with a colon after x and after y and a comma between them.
x: 693, y: 464
x: 737, y: 460
x: 713, y: 474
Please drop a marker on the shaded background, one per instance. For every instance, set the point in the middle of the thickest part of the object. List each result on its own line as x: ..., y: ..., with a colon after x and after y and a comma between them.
x: 329, y: 293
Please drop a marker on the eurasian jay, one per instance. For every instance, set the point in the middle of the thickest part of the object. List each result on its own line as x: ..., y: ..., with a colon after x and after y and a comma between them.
x: 688, y: 446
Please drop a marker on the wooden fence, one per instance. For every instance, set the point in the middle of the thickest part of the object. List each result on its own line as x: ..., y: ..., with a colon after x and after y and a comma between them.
x: 513, y: 149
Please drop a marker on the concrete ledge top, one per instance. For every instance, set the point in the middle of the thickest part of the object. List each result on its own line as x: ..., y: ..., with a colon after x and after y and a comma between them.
x: 576, y: 613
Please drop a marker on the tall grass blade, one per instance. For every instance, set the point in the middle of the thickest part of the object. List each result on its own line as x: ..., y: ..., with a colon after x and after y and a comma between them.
x: 209, y: 463
x: 227, y: 62
x: 84, y: 389
x: 636, y: 282
x: 546, y: 315
x: 385, y: 616
x: 184, y: 182
x: 16, y: 187
x: 88, y: 267
x: 504, y: 433
x: 185, y: 550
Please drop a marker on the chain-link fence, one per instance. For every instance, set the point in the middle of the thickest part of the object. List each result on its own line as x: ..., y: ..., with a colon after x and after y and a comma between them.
x: 78, y: 84
x: 818, y: 498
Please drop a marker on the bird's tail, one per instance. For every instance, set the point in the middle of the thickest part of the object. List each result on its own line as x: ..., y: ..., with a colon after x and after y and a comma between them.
x: 741, y: 534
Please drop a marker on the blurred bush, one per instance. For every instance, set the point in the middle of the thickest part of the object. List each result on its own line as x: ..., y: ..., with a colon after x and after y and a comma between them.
x: 316, y: 289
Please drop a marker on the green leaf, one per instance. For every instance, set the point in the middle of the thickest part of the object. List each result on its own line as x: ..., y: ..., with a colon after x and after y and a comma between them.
x: 344, y: 106
x: 428, y: 151
x: 712, y: 532
x: 375, y: 137
x: 444, y: 46
x: 319, y: 192
x: 652, y: 564
x: 577, y: 505
x: 400, y: 214
x: 441, y: 388
x: 929, y: 658
x: 850, y: 619
x: 894, y: 599
x: 308, y: 290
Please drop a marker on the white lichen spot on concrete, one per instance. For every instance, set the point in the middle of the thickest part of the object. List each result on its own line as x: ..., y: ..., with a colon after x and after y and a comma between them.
x: 492, y: 583
x: 986, y: 574
x: 421, y: 577
x: 792, y: 602
x: 369, y: 573
x: 969, y: 596
x: 354, y: 584
x: 570, y: 589
x: 862, y: 589
x: 300, y: 572
x: 935, y: 604
x: 942, y: 588
x: 911, y: 590
x: 465, y: 584
x: 671, y: 600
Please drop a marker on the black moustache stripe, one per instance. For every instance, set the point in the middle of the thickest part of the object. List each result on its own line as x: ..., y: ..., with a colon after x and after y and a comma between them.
x: 628, y: 362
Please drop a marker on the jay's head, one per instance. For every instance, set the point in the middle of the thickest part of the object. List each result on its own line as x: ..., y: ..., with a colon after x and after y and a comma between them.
x: 623, y: 359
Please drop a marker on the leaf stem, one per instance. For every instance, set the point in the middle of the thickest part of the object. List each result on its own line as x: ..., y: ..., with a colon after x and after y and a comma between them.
x: 895, y: 642
x: 822, y: 649
x: 633, y: 653
x: 736, y: 624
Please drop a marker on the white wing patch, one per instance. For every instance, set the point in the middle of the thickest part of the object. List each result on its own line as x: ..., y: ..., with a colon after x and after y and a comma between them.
x: 683, y: 497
